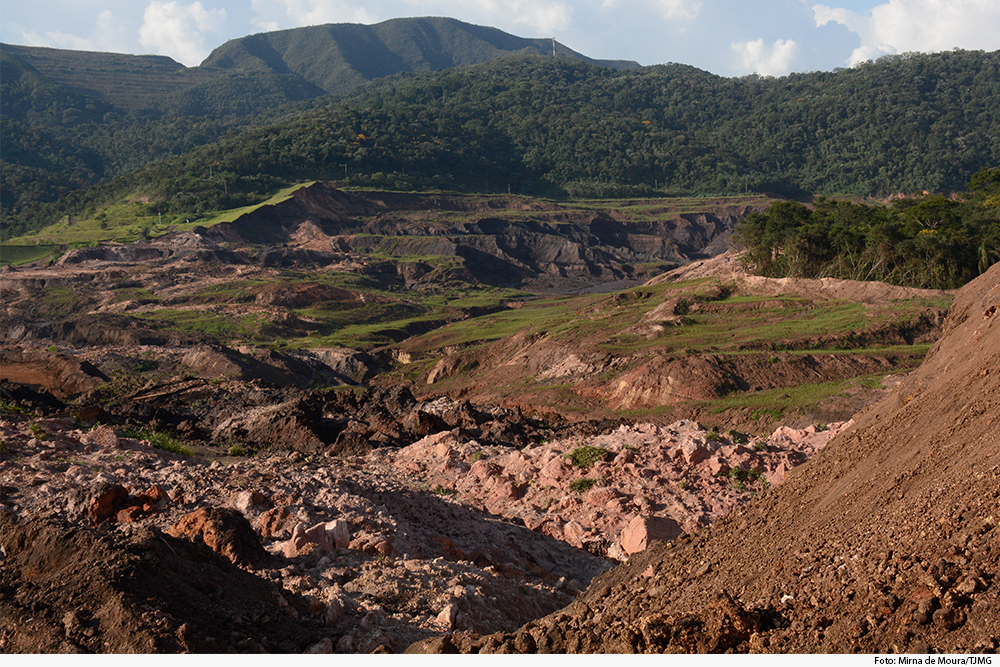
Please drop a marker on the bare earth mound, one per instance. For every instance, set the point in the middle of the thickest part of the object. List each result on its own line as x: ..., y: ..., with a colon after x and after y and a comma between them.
x: 886, y: 541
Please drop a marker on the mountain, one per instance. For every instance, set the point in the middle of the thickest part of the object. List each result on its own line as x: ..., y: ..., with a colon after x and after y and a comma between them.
x: 523, y: 123
x: 281, y: 67
x: 337, y: 57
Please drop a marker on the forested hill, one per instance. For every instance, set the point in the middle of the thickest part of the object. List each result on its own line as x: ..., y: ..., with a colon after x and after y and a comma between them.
x: 560, y: 126
x: 264, y: 70
x: 338, y: 57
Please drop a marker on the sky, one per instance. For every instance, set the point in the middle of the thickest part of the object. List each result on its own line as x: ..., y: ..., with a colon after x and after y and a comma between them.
x: 726, y: 37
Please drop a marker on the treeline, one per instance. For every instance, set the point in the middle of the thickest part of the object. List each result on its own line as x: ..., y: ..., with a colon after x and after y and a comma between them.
x: 931, y: 242
x: 558, y: 127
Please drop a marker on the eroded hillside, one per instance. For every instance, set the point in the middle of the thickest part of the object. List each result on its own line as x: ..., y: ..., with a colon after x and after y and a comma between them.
x: 886, y: 541
x: 328, y: 426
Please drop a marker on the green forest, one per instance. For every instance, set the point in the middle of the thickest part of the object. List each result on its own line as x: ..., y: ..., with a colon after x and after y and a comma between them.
x: 556, y: 127
x: 932, y: 242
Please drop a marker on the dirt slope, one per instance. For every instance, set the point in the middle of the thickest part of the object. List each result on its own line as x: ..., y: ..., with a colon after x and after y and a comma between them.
x: 887, y: 541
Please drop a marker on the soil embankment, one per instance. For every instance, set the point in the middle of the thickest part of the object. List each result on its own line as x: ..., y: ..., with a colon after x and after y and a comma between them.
x: 886, y: 541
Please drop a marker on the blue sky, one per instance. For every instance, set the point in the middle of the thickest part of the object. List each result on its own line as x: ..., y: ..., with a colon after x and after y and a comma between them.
x: 727, y: 37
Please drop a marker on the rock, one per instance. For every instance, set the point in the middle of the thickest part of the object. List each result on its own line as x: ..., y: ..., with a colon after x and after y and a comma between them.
x: 326, y: 536
x: 334, y: 611
x: 717, y: 466
x: 108, y: 500
x: 694, y: 452
x: 223, y: 530
x: 573, y: 533
x: 103, y: 437
x: 273, y: 522
x: 324, y: 645
x: 448, y: 616
x: 339, y: 533
x: 249, y: 501
x: 642, y: 530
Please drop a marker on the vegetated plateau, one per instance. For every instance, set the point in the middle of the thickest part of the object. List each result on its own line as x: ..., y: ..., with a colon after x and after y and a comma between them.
x: 386, y: 369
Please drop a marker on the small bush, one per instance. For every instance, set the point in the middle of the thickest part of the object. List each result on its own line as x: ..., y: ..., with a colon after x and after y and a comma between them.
x: 584, y: 457
x: 160, y: 440
x: 583, y: 484
x: 738, y: 438
x: 740, y: 478
x: 37, y: 431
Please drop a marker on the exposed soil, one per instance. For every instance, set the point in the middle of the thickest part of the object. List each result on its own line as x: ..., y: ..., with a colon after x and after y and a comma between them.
x: 493, y: 497
x: 886, y: 541
x: 166, y: 552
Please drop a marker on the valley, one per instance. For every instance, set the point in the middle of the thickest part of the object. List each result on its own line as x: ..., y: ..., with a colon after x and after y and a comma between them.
x: 357, y: 421
x: 420, y: 337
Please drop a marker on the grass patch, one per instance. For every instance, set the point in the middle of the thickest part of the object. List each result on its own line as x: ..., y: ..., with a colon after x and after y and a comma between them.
x: 583, y: 484
x: 586, y: 456
x: 16, y: 255
x: 160, y: 440
x: 740, y: 479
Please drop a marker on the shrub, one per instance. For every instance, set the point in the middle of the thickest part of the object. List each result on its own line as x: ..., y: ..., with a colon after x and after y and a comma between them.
x: 740, y: 478
x: 584, y: 457
x: 583, y: 484
x: 163, y: 441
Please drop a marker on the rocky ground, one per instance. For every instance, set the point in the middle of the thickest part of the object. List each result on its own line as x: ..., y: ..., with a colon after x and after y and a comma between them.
x: 164, y: 489
x: 346, y: 554
x: 886, y: 541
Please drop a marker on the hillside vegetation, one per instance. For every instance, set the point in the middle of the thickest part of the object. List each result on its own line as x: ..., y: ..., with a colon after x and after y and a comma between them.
x: 929, y: 242
x: 542, y: 125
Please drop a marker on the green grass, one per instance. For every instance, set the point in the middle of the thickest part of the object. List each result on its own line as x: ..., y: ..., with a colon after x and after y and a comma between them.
x: 232, y: 214
x: 133, y: 220
x: 583, y: 484
x: 16, y: 255
x: 159, y: 440
x: 586, y: 456
x: 245, y: 327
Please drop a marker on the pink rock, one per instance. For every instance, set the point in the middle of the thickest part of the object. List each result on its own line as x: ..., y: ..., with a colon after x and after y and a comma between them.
x: 555, y: 472
x: 717, y: 466
x: 338, y: 533
x: 778, y: 476
x: 102, y: 436
x: 249, y: 501
x: 694, y: 452
x: 334, y: 611
x: 642, y: 530
x: 573, y: 533
x: 600, y: 496
x: 448, y: 616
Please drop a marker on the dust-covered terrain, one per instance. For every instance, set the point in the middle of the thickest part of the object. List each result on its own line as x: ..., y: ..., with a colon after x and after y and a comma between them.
x: 365, y: 422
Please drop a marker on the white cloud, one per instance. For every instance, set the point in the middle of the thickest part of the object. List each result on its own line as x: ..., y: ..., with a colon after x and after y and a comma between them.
x: 108, y: 35
x: 58, y: 40
x: 773, y: 60
x: 679, y: 10
x: 176, y: 30
x: 898, y: 26
x: 319, y: 12
x: 546, y: 18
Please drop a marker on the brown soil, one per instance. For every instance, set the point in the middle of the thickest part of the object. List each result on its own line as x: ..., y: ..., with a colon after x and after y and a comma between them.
x: 887, y: 541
